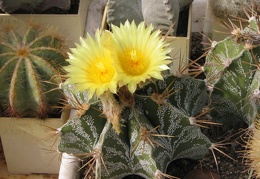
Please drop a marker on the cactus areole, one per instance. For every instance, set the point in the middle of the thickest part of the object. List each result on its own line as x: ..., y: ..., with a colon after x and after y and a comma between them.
x: 29, y: 69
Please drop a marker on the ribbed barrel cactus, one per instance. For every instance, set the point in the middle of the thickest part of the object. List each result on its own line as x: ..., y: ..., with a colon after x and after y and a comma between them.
x: 30, y: 65
x: 233, y: 76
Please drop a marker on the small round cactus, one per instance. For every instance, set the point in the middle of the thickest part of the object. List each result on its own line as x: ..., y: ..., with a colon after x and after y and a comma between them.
x: 30, y: 63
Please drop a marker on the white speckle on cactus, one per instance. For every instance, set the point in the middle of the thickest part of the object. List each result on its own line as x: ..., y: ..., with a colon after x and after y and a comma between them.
x: 226, y: 62
x: 213, y: 44
x: 58, y: 131
x: 256, y: 93
x: 192, y: 120
x: 251, y: 127
x: 253, y: 18
x: 60, y: 85
x: 162, y: 85
x: 230, y: 80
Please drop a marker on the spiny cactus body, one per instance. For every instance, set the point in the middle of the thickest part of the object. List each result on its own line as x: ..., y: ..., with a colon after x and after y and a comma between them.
x: 232, y: 75
x: 156, y: 130
x: 252, y: 154
x: 160, y: 121
x: 29, y: 69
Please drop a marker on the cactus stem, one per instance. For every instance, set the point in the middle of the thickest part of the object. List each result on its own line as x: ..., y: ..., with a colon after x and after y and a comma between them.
x: 112, y: 110
x: 126, y: 97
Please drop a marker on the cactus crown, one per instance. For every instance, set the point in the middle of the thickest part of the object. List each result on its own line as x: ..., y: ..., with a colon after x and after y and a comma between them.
x: 30, y: 63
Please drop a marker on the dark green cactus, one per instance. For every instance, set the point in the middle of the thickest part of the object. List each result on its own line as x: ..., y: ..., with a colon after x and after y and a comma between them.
x: 30, y: 63
x: 232, y: 75
x: 158, y: 127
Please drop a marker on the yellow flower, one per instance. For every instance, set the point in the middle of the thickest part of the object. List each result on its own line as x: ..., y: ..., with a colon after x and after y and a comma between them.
x: 140, y: 54
x: 91, y: 67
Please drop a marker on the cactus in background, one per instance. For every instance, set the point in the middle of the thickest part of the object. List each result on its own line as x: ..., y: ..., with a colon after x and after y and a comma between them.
x: 233, y: 8
x: 162, y: 14
x: 33, y: 6
x: 233, y: 76
x: 252, y: 154
x: 30, y: 63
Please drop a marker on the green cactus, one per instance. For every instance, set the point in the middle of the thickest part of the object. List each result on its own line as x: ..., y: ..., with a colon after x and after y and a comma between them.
x: 232, y: 75
x: 156, y: 130
x: 30, y: 64
x: 161, y: 120
x: 162, y: 14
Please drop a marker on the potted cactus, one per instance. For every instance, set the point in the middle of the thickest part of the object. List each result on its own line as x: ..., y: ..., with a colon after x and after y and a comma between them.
x: 132, y: 118
x: 30, y: 65
x: 71, y: 24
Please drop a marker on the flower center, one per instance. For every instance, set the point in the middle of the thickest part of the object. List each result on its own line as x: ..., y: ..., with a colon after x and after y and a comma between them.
x: 22, y: 52
x: 133, y: 62
x: 101, y: 71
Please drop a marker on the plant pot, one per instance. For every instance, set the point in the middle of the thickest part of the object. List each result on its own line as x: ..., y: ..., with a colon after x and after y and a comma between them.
x: 27, y: 145
x: 69, y: 168
x: 72, y: 25
x: 181, y: 44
